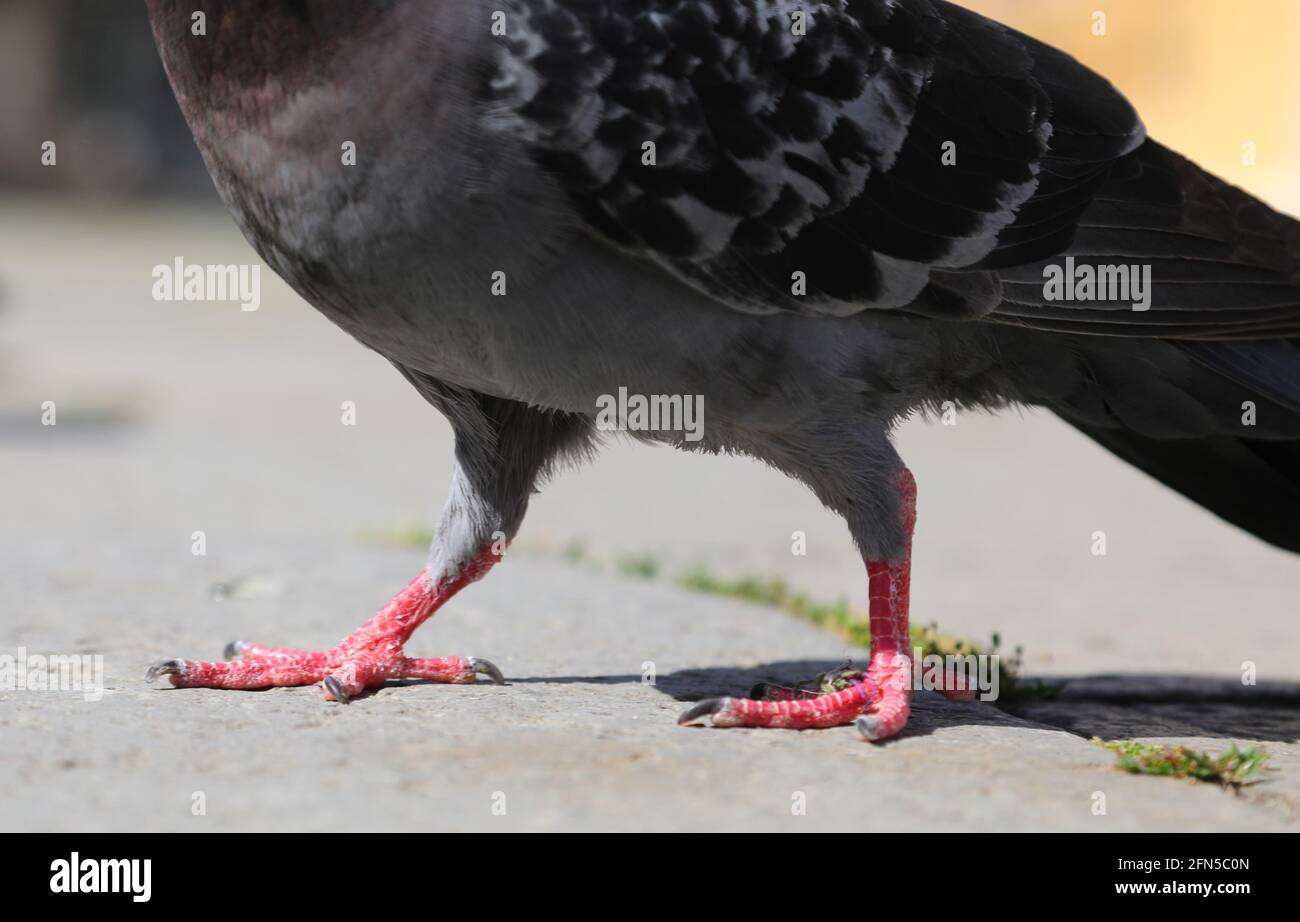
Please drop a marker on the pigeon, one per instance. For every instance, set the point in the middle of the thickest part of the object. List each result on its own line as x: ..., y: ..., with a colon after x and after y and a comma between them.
x: 815, y: 218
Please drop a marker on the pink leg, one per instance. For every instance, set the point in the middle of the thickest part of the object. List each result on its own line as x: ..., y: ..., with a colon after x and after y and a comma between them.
x: 883, y: 692
x: 816, y: 712
x: 891, y: 661
x: 453, y: 669
x: 367, y: 658
x: 190, y: 674
x: 256, y: 653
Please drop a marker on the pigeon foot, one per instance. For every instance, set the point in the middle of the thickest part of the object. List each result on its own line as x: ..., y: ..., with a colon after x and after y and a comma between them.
x: 878, y: 700
x: 776, y: 706
x: 366, y: 659
x: 343, y: 674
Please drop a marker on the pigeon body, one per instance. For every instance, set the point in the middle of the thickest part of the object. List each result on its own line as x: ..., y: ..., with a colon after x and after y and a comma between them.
x: 819, y: 217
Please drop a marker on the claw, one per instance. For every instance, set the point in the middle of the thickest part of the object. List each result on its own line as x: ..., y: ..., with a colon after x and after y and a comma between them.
x: 760, y: 691
x: 483, y: 667
x: 335, y: 688
x: 701, y: 709
x: 165, y: 667
x: 870, y: 728
x: 232, y: 650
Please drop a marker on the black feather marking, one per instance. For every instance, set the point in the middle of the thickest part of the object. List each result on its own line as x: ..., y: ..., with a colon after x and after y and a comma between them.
x: 759, y: 134
x: 821, y: 154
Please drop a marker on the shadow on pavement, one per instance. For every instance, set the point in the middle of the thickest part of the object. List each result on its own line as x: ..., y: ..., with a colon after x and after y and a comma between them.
x: 1110, y: 706
x: 1135, y: 705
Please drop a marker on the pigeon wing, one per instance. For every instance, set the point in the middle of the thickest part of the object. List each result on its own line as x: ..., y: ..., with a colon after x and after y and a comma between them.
x: 887, y: 154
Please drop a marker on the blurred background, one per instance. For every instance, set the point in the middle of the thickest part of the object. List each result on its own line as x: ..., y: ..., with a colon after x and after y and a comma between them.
x: 1206, y: 77
x: 84, y: 73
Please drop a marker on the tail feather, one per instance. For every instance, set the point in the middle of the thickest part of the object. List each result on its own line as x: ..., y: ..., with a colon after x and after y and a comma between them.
x: 1270, y: 368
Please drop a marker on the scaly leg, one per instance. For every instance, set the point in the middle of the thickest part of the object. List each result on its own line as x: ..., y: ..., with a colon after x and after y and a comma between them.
x: 501, y: 447
x: 878, y: 698
x: 367, y: 658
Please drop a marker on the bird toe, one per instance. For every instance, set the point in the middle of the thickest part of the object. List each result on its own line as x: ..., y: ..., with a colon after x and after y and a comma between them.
x: 706, y: 708
x: 483, y: 667
x: 165, y: 667
x: 335, y: 690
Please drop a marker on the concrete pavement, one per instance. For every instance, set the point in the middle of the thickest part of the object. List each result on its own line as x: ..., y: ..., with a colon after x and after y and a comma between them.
x: 183, y: 418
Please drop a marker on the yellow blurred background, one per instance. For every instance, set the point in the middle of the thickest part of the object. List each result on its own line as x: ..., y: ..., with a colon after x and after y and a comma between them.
x: 1206, y: 76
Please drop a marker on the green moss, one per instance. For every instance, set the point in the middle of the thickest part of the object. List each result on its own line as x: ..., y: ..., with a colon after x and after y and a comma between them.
x: 575, y: 551
x: 854, y: 625
x: 1234, y: 767
x: 642, y: 566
